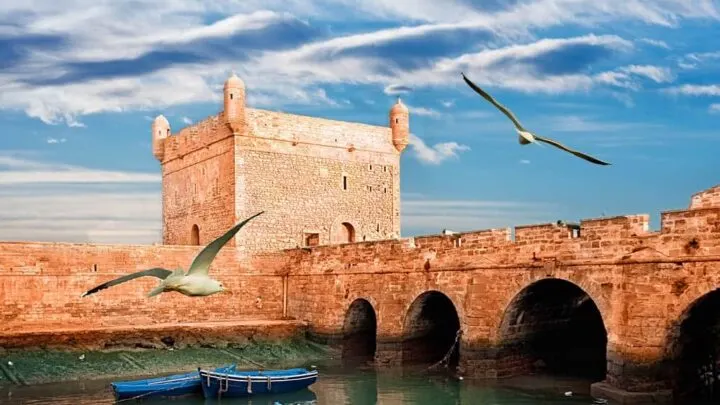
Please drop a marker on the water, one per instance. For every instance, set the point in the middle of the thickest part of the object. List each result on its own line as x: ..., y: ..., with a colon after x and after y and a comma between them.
x: 339, y: 386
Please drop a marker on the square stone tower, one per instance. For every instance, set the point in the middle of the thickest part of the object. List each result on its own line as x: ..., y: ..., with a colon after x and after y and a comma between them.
x: 319, y: 181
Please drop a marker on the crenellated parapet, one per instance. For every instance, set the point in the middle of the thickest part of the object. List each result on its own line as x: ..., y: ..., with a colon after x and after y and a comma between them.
x: 683, y: 233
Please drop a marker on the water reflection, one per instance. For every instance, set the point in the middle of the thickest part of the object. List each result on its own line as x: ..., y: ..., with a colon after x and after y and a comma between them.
x: 339, y: 386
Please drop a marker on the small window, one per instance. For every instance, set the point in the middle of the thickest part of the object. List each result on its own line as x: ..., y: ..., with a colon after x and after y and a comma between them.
x: 397, y: 120
x: 168, y: 132
x: 312, y: 239
x: 231, y: 96
x: 369, y: 188
x: 385, y: 190
x: 369, y: 167
x: 384, y: 168
x: 344, y: 182
x: 378, y: 227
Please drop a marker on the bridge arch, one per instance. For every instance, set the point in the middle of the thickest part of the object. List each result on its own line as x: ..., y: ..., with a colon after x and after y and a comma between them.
x: 430, y: 327
x: 359, y: 334
x: 552, y: 326
x: 693, y: 349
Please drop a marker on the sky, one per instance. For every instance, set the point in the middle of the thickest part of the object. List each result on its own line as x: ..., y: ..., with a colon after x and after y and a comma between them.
x: 633, y: 82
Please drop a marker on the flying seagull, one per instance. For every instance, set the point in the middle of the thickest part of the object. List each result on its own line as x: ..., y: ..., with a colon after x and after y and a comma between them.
x: 195, y: 283
x: 526, y: 137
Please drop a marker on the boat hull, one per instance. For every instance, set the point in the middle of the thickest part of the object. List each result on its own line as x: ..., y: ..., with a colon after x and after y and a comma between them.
x: 172, y: 385
x: 218, y: 384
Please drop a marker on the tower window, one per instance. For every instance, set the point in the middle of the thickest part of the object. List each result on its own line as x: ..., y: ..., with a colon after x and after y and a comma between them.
x: 231, y: 96
x: 369, y: 188
x: 369, y: 167
x: 397, y: 120
x: 378, y: 227
x: 344, y: 182
x: 385, y: 190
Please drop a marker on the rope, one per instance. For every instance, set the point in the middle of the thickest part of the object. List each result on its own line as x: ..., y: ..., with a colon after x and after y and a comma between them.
x: 449, y: 353
x: 144, y: 395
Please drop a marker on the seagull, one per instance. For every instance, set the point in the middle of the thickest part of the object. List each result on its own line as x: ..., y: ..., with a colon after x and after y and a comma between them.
x: 195, y: 282
x: 526, y: 137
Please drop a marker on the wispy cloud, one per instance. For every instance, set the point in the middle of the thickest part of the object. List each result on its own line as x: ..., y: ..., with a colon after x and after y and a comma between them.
x: 423, y: 111
x: 55, y: 140
x: 576, y: 123
x: 76, y: 204
x: 194, y: 44
x: 695, y: 90
x: 524, y: 161
x: 187, y: 121
x: 437, y: 153
x: 396, y: 89
x: 432, y: 216
x: 714, y: 108
x: 655, y: 42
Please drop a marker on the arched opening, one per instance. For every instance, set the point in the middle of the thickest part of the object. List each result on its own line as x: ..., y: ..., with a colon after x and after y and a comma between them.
x: 430, y: 329
x: 359, y: 332
x: 694, y: 348
x: 553, y: 327
x: 348, y: 234
x: 195, y: 235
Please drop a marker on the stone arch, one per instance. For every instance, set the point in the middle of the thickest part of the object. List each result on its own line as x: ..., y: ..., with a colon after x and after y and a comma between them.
x: 195, y: 235
x: 359, y: 334
x: 343, y: 231
x: 693, y: 350
x: 552, y: 326
x: 430, y: 329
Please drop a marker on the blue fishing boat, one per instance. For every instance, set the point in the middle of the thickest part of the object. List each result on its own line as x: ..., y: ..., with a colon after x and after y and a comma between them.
x: 233, y: 383
x: 172, y: 385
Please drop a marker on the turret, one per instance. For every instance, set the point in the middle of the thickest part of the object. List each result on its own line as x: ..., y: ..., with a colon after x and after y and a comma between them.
x: 160, y: 131
x: 400, y: 125
x: 234, y: 94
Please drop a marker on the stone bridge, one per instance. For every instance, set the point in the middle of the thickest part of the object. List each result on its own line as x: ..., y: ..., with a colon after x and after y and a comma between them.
x: 634, y: 310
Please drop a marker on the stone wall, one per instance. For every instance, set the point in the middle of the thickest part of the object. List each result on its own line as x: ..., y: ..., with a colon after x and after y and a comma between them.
x: 41, y: 284
x: 198, y: 186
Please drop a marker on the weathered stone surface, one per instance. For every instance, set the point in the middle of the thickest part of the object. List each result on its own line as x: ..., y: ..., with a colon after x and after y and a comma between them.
x: 320, y: 181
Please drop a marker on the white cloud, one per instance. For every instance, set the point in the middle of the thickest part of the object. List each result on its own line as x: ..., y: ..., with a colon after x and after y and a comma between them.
x: 292, y: 75
x: 431, y: 216
x: 55, y: 140
x: 714, y: 108
x: 423, y: 111
x: 695, y: 90
x: 448, y: 103
x: 187, y: 121
x: 656, y: 73
x: 437, y: 153
x: 24, y: 171
x: 395, y: 89
x: 75, y: 204
x: 525, y: 161
x: 655, y: 42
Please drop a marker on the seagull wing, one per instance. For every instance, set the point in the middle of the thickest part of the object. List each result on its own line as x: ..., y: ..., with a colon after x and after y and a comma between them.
x: 154, y: 272
x: 574, y: 152
x: 499, y: 106
x: 201, y: 263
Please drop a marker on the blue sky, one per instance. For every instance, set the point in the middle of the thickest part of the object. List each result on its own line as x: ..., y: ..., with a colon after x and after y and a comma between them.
x: 633, y: 82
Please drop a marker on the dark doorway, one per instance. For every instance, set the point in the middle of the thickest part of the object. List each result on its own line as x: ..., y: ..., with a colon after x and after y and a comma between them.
x: 430, y: 331
x: 359, y: 333
x: 195, y: 235
x: 695, y: 351
x: 553, y: 327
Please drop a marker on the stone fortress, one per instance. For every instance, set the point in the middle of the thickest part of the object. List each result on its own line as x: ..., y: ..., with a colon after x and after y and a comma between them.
x: 636, y: 310
x: 319, y: 181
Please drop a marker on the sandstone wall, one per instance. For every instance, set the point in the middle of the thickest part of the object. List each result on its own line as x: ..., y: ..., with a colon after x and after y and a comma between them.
x: 41, y: 283
x: 199, y: 184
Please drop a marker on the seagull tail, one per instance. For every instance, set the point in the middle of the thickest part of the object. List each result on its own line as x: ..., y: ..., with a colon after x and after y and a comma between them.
x: 157, y: 290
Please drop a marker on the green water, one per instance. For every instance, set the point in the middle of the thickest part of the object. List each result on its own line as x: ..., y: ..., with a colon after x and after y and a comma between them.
x: 338, y: 386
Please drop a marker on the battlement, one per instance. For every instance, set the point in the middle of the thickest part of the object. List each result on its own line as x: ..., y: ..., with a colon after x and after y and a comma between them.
x: 284, y: 127
x: 693, y: 231
x: 706, y: 198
